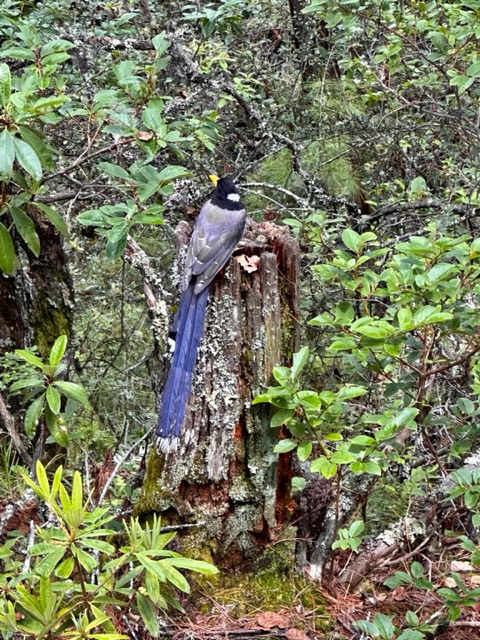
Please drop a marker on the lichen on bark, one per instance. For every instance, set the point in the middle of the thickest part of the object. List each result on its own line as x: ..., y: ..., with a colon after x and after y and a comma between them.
x: 226, y: 478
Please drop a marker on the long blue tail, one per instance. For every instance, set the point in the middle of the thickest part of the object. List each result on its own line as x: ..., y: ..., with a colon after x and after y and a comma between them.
x: 187, y: 330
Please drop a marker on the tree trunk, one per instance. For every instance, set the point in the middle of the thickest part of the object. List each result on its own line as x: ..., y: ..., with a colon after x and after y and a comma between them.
x: 36, y: 302
x: 225, y: 480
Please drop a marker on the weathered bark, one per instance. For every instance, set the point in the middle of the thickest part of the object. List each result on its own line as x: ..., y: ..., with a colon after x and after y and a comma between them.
x: 36, y: 302
x: 36, y: 306
x: 226, y: 478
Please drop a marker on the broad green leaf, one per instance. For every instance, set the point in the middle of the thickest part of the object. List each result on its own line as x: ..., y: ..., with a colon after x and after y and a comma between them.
x: 384, y: 623
x: 53, y: 399
x: 304, y: 450
x: 284, y: 446
x: 298, y: 483
x: 342, y: 457
x: 114, y: 170
x: 72, y: 391
x: 35, y: 140
x: 172, y: 172
x: 7, y: 155
x: 58, y: 350
x: 152, y: 119
x: 281, y: 417
x: 373, y: 468
x: 26, y: 229
x: 5, y: 85
x: 324, y: 466
x: 352, y: 240
x: 300, y: 359
x: 54, y: 217
x: 404, y: 317
x: 32, y: 416
x: 56, y: 46
x: 418, y: 185
x: 27, y: 158
x: 51, y: 101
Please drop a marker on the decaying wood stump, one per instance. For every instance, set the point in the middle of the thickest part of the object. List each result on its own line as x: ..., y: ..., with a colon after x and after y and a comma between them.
x: 225, y: 479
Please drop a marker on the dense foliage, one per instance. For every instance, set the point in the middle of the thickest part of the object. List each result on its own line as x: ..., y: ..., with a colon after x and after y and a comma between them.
x: 353, y: 122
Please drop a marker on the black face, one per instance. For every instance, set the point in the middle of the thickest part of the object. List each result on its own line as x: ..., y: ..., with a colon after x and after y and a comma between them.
x: 220, y: 197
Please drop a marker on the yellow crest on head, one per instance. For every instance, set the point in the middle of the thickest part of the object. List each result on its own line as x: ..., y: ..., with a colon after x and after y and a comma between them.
x: 214, y: 179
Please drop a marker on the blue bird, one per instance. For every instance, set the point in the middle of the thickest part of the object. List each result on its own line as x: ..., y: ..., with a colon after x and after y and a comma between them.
x: 218, y: 229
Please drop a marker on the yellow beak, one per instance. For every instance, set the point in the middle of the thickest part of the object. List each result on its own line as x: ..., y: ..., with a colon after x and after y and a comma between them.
x: 214, y: 179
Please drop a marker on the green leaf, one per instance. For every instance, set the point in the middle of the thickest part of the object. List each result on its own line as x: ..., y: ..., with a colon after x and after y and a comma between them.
x: 7, y: 251
x: 384, y: 624
x: 34, y: 139
x: 114, y: 170
x: 5, y: 85
x: 411, y: 634
x: 284, y: 446
x: 53, y: 399
x: 32, y: 416
x: 418, y: 185
x: 65, y: 568
x: 404, y: 317
x: 281, y: 417
x: 26, y: 229
x: 48, y: 564
x: 300, y: 359
x: 304, y: 450
x: 27, y: 158
x: 324, y: 466
x: 175, y: 577
x: 73, y: 391
x: 7, y: 155
x: 373, y: 468
x: 26, y: 383
x: 298, y: 483
x: 352, y: 240
x: 77, y: 492
x: 172, y: 172
x: 191, y: 565
x: 54, y: 217
x: 149, y: 614
x: 30, y: 357
x: 416, y: 569
x: 58, y: 350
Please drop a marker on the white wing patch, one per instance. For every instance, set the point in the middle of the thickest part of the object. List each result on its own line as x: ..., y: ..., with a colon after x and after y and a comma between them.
x: 234, y: 197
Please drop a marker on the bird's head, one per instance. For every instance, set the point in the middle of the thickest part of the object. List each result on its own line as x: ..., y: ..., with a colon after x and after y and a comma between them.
x: 226, y: 194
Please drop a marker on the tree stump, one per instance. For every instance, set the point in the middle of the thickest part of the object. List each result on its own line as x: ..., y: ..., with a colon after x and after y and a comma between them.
x: 225, y: 480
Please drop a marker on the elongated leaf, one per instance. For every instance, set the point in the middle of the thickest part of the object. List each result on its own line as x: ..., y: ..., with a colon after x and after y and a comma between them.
x: 25, y: 384
x: 48, y: 564
x: 72, y: 391
x: 42, y: 478
x: 54, y: 217
x: 58, y: 350
x: 7, y: 155
x: 191, y: 565
x: 27, y: 158
x: 5, y: 84
x: 30, y: 357
x: 34, y: 139
x: 26, y: 229
x: 77, y: 491
x: 53, y: 399
x: 149, y: 614
x: 32, y: 416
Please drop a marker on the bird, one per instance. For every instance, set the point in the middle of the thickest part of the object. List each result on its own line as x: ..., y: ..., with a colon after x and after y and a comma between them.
x: 216, y: 232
